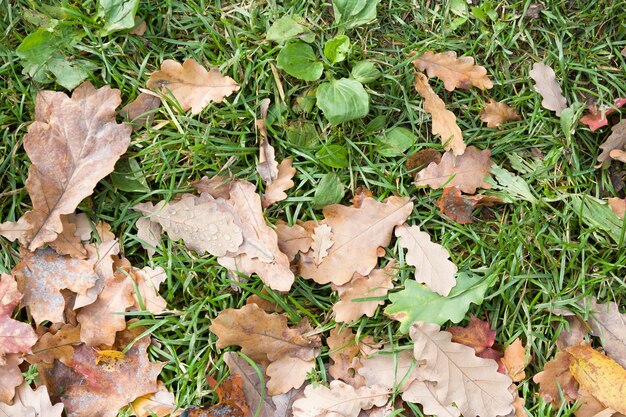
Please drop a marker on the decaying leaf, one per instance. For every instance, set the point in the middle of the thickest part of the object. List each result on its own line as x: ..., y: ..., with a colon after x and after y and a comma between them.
x: 467, y: 171
x: 420, y: 160
x: 338, y: 400
x: 548, y: 87
x: 615, y: 142
x: 73, y: 144
x: 609, y: 325
x: 597, y: 116
x: 286, y: 373
x: 275, y: 190
x: 147, y: 294
x: 574, y: 335
x: 15, y: 336
x: 431, y: 261
x: 443, y: 120
x: 459, y: 207
x: 356, y: 231
x: 556, y: 378
x: 140, y: 111
x: 56, y: 345
x: 322, y: 240
x: 217, y: 186
x: 496, y: 113
x: 193, y: 86
x: 68, y: 242
x: 29, y: 403
x: 454, y: 72
x: 10, y: 377
x: 150, y: 233
x: 515, y: 360
x: 293, y: 239
x: 160, y: 403
x: 478, y: 334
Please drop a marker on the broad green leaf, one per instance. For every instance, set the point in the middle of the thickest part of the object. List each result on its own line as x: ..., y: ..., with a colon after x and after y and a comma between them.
x: 116, y: 15
x: 395, y: 141
x: 129, y: 177
x: 352, y: 13
x: 68, y: 74
x: 298, y: 60
x: 419, y: 303
x: 37, y: 48
x: 337, y: 49
x: 514, y: 186
x: 303, y: 134
x: 365, y: 72
x: 304, y: 103
x: 334, y: 156
x: 287, y: 28
x: 329, y: 190
x: 342, y: 100
x: 598, y: 215
x: 376, y: 124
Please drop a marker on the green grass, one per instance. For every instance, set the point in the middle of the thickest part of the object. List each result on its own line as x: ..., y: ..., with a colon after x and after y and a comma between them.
x: 543, y: 256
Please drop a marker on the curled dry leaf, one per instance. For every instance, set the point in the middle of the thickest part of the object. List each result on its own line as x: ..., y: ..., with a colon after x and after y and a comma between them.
x: 597, y: 116
x: 193, y: 86
x: 444, y: 121
x: 10, y: 377
x: 459, y: 207
x: 496, y: 113
x: 356, y: 230
x: 275, y: 191
x: 548, y: 87
x: 431, y: 260
x: 454, y: 72
x: 609, y: 325
x: 15, y: 336
x: 338, y: 400
x: 515, y: 360
x: 73, y: 144
x: 140, y: 111
x: 293, y: 239
x: 322, y: 240
x: 556, y: 378
x: 467, y: 172
x: 29, y: 403
x: 615, y: 142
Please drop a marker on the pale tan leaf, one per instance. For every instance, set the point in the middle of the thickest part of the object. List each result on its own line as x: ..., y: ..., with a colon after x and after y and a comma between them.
x: 431, y: 260
x: 390, y: 370
x: 467, y: 171
x: 616, y: 141
x: 29, y: 403
x: 275, y: 191
x: 16, y: 230
x: 193, y: 86
x: 322, y: 241
x: 102, y: 256
x: 287, y: 373
x: 496, y: 113
x: 293, y: 239
x: 149, y: 233
x: 148, y: 281
x: 454, y: 72
x: 343, y: 350
x: 425, y: 393
x: 443, y: 120
x: 103, y: 230
x: 356, y: 231
x: 556, y: 378
x: 609, y: 325
x: 73, y: 144
x: 338, y: 400
x: 618, y: 155
x: 83, y: 226
x: 10, y: 377
x: 473, y: 384
x: 515, y: 360
x: 267, y: 166
x: 548, y: 87
x: 15, y: 336
x: 161, y: 403
x: 140, y: 111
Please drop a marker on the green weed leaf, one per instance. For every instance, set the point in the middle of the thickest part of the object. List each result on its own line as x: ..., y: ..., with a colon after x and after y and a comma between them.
x: 342, y: 100
x: 287, y: 28
x: 116, y: 15
x: 329, y: 190
x: 334, y: 156
x: 365, y: 72
x: 395, y: 141
x: 337, y: 49
x: 298, y: 60
x: 352, y: 13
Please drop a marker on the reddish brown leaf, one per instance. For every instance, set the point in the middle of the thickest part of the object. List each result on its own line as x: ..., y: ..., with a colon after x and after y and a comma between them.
x: 56, y: 345
x: 556, y: 376
x: 459, y: 207
x: 420, y: 160
x: 15, y: 336
x: 217, y: 186
x: 29, y: 403
x: 615, y: 142
x: 478, y: 334
x: 10, y: 377
x: 596, y: 117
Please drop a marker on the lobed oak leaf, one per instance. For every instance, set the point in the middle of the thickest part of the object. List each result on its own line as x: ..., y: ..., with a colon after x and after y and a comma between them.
x: 556, y: 378
x: 55, y: 345
x: 15, y: 336
x: 103, y: 256
x: 615, y: 142
x: 343, y: 350
x: 459, y: 207
x: 140, y: 111
x: 149, y: 233
x: 68, y: 242
x: 609, y: 325
x: 193, y: 86
x: 160, y: 403
x: 425, y: 393
x: 275, y: 190
x: 217, y: 186
x: 10, y: 377
x: 73, y: 144
x: 454, y: 72
x: 356, y: 230
x: 420, y: 160
x: 574, y: 335
x: 597, y: 116
x: 29, y: 403
x: 496, y: 113
x: 473, y: 384
x: 338, y: 400
x: 286, y: 373
x: 515, y: 360
x: 478, y: 334
x: 322, y: 240
x: 590, y: 407
x: 548, y: 87
x: 467, y: 172
x: 293, y: 239
x: 147, y: 294
x: 83, y: 225
x: 431, y: 260
x: 394, y: 371
x: 443, y: 120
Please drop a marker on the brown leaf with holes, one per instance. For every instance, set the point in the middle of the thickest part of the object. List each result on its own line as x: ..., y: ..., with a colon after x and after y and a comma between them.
x: 615, y: 142
x: 275, y: 191
x: 515, y: 360
x: 140, y: 112
x: 193, y: 86
x: 454, y: 72
x: 293, y: 239
x: 548, y: 87
x: 29, y: 403
x: 443, y: 120
x: 555, y: 377
x: 459, y: 207
x: 496, y: 113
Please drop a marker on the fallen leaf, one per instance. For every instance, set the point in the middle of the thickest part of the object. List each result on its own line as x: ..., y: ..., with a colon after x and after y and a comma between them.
x: 286, y: 373
x: 293, y: 239
x: 160, y: 403
x: 425, y: 393
x: 443, y: 120
x: 574, y: 335
x: 515, y: 360
x: 478, y: 334
x: 496, y: 113
x: 609, y: 325
x: 589, y: 406
x: 343, y: 350
x: 473, y: 384
x: 275, y: 190
x: 68, y: 242
x: 616, y: 141
x: 431, y: 261
x: 149, y: 233
x: 467, y: 172
x: 267, y: 305
x: 140, y: 27
x: 103, y: 256
x: 73, y: 144
x: 147, y: 294
x: 420, y: 160
x: 192, y: 86
x: 29, y: 403
x: 548, y: 87
x: 338, y: 400
x: 15, y: 336
x: 600, y: 376
x: 360, y: 194
x: 217, y: 186
x: 597, y: 116
x: 56, y: 345
x: 392, y: 371
x: 454, y: 72
x: 10, y: 377
x: 556, y: 378
x: 140, y: 112
x: 322, y: 240
x: 459, y: 207
x: 356, y: 230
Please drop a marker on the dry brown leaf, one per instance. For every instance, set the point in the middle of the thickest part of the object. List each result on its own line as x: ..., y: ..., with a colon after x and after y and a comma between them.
x: 454, y: 72
x: 56, y: 345
x: 374, y: 285
x: 140, y: 111
x: 425, y: 393
x: 459, y: 207
x: 148, y: 281
x: 556, y: 376
x: 322, y: 240
x: 356, y: 231
x: 217, y: 186
x: 293, y: 239
x: 467, y: 171
x: 43, y: 274
x: 267, y: 166
x: 160, y: 403
x: 420, y: 160
x: 83, y: 225
x: 29, y: 403
x: 548, y: 87
x: 102, y: 256
x: 149, y: 233
x: 192, y: 86
x: 574, y: 335
x: 286, y: 373
x: 496, y: 113
x: 68, y: 242
x: 360, y: 194
x: 478, y: 334
x: 472, y: 383
x: 609, y: 325
x: 515, y: 360
x: 616, y: 141
x: 589, y: 406
x: 343, y: 350
x: 275, y: 190
x: 15, y: 336
x: 10, y: 377
x: 395, y: 370
x: 338, y: 400
x: 431, y: 260
x: 443, y: 120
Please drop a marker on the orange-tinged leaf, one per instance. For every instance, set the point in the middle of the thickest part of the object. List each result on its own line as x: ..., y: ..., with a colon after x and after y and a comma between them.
x: 15, y: 336
x: 496, y: 113
x: 56, y: 345
x: 600, y: 376
x: 293, y: 239
x: 515, y: 360
x: 68, y: 242
x: 478, y: 334
x: 140, y: 111
x: 275, y: 190
x: 556, y: 378
x: 597, y: 116
x: 455, y: 72
x: 286, y: 373
x: 459, y: 207
x: 193, y: 86
x: 10, y: 377
x: 161, y: 403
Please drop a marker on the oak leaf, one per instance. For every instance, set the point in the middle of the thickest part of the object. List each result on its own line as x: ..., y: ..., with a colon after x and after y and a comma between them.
x: 343, y: 350
x: 10, y: 377
x: 473, y: 384
x: 459, y: 207
x: 395, y: 370
x: 275, y: 190
x: 356, y: 230
x: 103, y: 256
x: 73, y: 144
x: 322, y: 240
x: 443, y: 120
x: 140, y: 111
x: 467, y: 171
x: 615, y: 142
x: 286, y: 373
x: 572, y: 335
x: 15, y: 336
x: 217, y: 186
x: 193, y: 86
x: 556, y: 378
x: 478, y: 334
x: 548, y: 87
x: 147, y: 294
x: 68, y: 242
x: 591, y: 407
x: 425, y: 393
x: 420, y: 160
x: 29, y: 403
x: 455, y: 72
x: 431, y: 260
x: 55, y: 345
x: 496, y: 113
x: 515, y: 360
x: 149, y: 233
x: 597, y: 116
x: 267, y: 166
x: 338, y: 400
x: 609, y: 325
x: 293, y: 239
